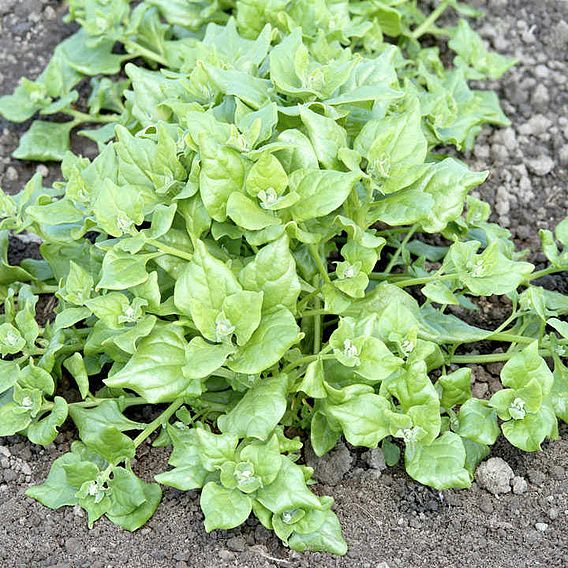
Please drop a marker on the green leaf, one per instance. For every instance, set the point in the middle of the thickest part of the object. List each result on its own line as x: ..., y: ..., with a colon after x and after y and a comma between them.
x: 141, y: 514
x: 44, y: 431
x: 478, y: 422
x: 529, y: 432
x: 363, y: 418
x: 122, y: 270
x: 11, y: 341
x: 440, y: 465
x: 288, y: 491
x: 56, y: 491
x: 454, y: 388
x: 118, y: 209
x: 327, y: 538
x: 321, y: 191
x: 490, y: 272
x: 247, y: 214
x: 9, y: 374
x: 326, y: 136
x: 13, y: 419
x: 224, y: 508
x: 76, y: 367
x: 273, y: 272
x: 202, y: 288
x: 155, y: 369
x: 222, y: 173
x: 559, y: 391
x: 276, y: 333
x: 525, y: 366
x: 203, y: 359
x: 479, y: 63
x: 259, y: 411
x: 44, y: 142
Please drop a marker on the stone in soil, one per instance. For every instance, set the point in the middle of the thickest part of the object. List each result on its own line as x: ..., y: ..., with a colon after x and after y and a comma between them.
x: 495, y: 476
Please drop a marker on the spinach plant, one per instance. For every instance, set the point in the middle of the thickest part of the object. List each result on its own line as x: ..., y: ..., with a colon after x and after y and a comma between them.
x: 251, y: 255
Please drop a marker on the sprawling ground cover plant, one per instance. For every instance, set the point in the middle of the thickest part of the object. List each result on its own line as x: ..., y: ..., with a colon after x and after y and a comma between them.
x: 270, y: 178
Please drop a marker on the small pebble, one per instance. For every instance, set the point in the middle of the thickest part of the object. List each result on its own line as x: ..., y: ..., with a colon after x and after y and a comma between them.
x: 12, y: 174
x: 519, y: 485
x: 237, y: 544
x: 536, y: 477
x: 541, y: 166
x: 226, y: 555
x: 541, y: 527
x: 557, y: 472
x: 553, y: 514
x: 42, y: 170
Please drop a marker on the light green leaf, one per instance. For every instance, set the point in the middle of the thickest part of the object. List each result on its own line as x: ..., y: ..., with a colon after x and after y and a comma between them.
x: 276, y: 333
x: 321, y: 191
x: 155, y: 369
x: 440, y: 465
x: 224, y: 508
x: 44, y: 142
x: 259, y: 411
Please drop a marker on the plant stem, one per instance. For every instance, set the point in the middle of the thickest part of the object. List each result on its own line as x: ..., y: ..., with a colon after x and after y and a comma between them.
x: 306, y: 361
x: 307, y: 298
x: 140, y: 51
x: 497, y: 357
x: 159, y: 421
x: 498, y: 336
x: 545, y: 272
x: 169, y: 250
x: 321, y: 312
x: 84, y: 117
x: 384, y: 276
x: 424, y: 280
x: 317, y: 328
x: 317, y: 259
x: 431, y: 19
x: 127, y: 402
x: 93, y: 403
x: 404, y: 242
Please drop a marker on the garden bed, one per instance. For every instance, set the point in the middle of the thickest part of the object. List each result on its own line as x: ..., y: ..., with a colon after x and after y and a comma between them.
x: 386, y: 516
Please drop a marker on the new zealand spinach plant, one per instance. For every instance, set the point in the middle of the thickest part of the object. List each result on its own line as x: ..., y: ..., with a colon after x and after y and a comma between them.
x: 251, y: 253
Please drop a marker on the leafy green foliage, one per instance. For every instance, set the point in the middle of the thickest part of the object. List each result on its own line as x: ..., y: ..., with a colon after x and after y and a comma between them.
x: 241, y: 252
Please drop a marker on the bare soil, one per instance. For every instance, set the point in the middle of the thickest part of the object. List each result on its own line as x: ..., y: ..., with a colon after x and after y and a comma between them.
x: 389, y: 520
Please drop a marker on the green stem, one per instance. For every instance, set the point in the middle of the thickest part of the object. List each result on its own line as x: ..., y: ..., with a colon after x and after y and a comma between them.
x: 317, y: 328
x: 545, y: 272
x: 125, y: 402
x: 307, y: 299
x: 424, y: 280
x: 509, y: 337
x: 159, y: 421
x: 93, y: 403
x: 398, y: 252
x: 140, y: 51
x: 312, y: 313
x: 497, y: 357
x: 306, y: 361
x: 317, y: 259
x: 99, y: 118
x: 431, y: 19
x: 385, y: 275
x: 169, y: 250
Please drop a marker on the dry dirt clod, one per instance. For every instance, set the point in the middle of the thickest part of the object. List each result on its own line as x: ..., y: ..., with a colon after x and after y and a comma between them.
x: 495, y: 476
x: 519, y: 485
